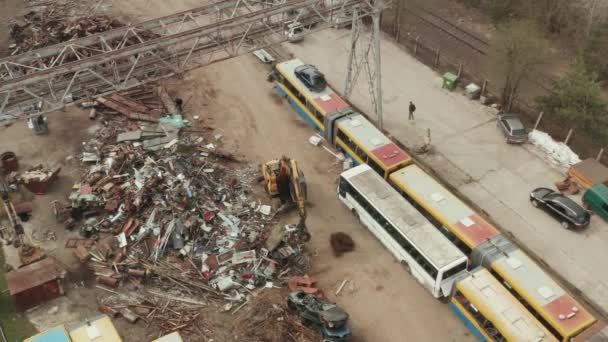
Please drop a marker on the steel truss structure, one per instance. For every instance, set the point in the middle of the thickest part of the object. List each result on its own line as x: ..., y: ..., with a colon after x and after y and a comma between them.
x: 129, y: 56
x: 364, y: 57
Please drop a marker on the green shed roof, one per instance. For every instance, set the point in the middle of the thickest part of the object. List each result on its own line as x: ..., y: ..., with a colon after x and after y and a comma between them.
x: 601, y: 190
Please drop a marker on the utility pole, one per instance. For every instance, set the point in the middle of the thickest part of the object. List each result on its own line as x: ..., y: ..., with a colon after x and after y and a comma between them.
x: 377, y: 82
x: 365, y: 56
x: 354, y: 37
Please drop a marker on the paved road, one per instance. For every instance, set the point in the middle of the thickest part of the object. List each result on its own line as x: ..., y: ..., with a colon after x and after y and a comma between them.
x: 472, y: 156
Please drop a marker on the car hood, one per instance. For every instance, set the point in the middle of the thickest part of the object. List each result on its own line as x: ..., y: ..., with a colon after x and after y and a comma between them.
x: 334, y: 315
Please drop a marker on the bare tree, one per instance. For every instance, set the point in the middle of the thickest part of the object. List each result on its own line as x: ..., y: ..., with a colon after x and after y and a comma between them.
x: 595, y: 12
x: 554, y: 15
x: 518, y: 51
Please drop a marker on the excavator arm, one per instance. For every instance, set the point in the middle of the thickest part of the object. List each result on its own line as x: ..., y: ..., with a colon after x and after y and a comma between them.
x: 299, y: 190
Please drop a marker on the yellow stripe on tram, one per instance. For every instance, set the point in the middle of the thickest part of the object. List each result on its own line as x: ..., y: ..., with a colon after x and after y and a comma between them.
x: 302, y: 106
x: 349, y: 151
x: 432, y: 211
x: 297, y: 86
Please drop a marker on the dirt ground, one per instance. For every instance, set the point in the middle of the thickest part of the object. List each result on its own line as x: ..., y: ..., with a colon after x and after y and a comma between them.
x: 10, y: 8
x: 384, y: 302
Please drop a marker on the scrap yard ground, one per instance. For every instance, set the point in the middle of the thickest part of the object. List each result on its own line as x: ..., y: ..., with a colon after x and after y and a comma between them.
x: 384, y: 302
x: 233, y: 97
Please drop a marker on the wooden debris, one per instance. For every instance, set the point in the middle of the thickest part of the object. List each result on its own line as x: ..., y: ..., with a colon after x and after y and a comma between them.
x: 129, y: 315
x: 125, y: 110
x: 341, y: 286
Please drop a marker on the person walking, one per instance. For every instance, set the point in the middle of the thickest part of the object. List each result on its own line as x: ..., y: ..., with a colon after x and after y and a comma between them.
x: 412, y: 110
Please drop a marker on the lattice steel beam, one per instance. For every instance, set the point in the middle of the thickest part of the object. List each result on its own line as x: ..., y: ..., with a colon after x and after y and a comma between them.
x: 48, y: 57
x: 157, y: 49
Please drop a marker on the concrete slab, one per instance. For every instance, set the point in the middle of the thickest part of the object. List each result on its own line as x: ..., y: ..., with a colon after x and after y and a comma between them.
x: 472, y: 156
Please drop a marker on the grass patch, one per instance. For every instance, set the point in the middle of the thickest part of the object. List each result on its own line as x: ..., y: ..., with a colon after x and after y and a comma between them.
x: 15, y: 325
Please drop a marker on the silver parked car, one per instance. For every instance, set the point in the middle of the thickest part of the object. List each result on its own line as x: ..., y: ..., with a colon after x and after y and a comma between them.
x: 512, y: 128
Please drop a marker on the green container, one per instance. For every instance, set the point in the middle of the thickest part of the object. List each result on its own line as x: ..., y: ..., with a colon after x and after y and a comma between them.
x: 449, y: 81
x: 596, y: 199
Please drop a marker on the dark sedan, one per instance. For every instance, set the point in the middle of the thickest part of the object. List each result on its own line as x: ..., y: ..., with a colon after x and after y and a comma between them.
x: 312, y: 78
x: 565, y: 210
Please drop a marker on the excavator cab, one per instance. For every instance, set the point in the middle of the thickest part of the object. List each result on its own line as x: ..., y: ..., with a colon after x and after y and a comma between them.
x: 270, y: 172
x: 283, y: 178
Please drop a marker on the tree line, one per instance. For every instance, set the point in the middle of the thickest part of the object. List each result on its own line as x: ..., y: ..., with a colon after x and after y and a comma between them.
x: 521, y: 47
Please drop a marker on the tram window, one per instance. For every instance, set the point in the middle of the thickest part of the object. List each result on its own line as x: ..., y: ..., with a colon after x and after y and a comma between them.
x: 372, y: 163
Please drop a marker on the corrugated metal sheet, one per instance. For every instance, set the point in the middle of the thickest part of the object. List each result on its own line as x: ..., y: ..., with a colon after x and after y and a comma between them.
x: 508, y: 316
x: 33, y: 275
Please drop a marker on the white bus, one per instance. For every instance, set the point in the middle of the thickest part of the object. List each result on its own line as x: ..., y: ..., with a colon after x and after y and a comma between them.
x: 431, y: 258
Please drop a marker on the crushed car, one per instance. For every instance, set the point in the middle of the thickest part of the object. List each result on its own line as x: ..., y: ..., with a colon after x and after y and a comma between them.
x: 327, y: 318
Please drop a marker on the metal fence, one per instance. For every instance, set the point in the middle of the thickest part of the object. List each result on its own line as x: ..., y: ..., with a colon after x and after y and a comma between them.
x: 444, y: 60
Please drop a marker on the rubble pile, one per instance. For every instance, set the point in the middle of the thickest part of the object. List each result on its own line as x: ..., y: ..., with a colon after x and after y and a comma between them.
x: 56, y: 23
x: 170, y: 220
x: 47, y: 27
x: 268, y: 319
x: 166, y: 314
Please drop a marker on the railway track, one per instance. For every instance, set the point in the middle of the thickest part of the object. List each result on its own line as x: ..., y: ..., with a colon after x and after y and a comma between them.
x: 469, y: 39
x: 2, y: 334
x: 474, y: 42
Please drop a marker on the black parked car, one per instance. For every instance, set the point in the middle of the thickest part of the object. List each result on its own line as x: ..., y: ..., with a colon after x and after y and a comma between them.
x: 327, y: 318
x: 565, y: 210
x: 312, y: 78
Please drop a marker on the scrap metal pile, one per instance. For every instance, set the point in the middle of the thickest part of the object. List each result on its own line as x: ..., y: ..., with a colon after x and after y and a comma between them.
x: 47, y: 27
x: 170, y: 222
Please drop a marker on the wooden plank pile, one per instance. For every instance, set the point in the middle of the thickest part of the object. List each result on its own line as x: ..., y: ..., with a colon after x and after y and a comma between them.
x: 139, y: 104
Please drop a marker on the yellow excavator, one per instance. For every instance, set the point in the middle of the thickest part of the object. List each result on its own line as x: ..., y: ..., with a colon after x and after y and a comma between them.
x: 283, y: 178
